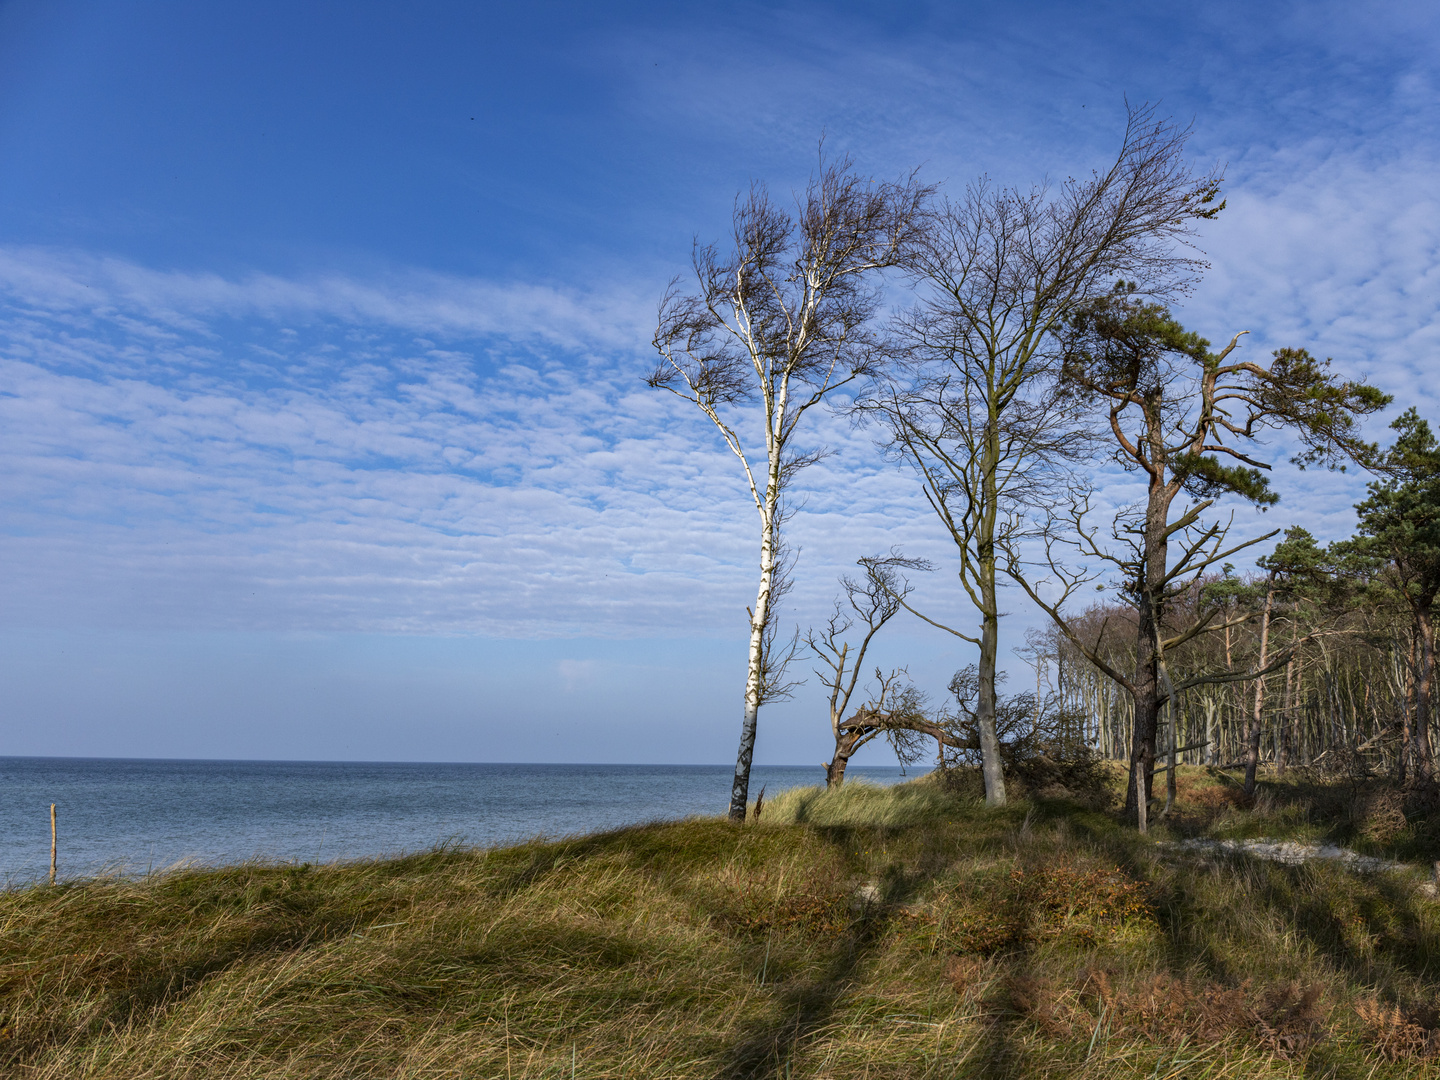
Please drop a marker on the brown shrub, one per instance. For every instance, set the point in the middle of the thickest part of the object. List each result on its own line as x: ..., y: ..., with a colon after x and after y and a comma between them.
x: 963, y: 973
x: 1166, y: 1006
x: 1399, y: 1035
x: 1076, y: 774
x: 1040, y: 904
x: 1286, y: 1020
x: 819, y: 905
x: 1213, y: 798
x: 1290, y: 1019
x: 1062, y: 892
x: 1200, y: 800
x: 961, y: 780
x: 1380, y: 815
x: 1056, y: 1014
x: 1422, y: 797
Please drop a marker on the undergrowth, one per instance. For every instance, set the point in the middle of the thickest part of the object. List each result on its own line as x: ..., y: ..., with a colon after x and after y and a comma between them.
x: 901, y: 932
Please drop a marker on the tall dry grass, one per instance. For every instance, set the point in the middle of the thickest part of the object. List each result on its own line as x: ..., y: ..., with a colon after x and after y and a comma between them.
x: 858, y: 804
x: 869, y: 932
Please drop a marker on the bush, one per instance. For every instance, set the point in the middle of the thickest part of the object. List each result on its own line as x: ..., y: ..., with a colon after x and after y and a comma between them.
x: 1042, y: 745
x: 1076, y: 773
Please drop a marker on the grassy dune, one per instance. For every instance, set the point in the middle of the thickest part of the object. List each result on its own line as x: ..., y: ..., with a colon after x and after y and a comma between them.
x: 899, y: 932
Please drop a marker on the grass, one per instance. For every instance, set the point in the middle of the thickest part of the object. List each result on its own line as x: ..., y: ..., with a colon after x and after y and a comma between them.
x: 858, y: 804
x: 901, y: 932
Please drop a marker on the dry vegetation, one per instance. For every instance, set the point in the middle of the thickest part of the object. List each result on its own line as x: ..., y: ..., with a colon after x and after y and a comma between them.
x: 859, y: 933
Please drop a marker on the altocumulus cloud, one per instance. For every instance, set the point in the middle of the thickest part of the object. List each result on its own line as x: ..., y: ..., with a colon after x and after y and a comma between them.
x: 191, y: 451
x: 418, y: 453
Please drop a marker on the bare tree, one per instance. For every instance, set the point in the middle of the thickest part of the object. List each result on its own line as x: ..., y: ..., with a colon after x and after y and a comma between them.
x: 778, y: 321
x: 897, y: 711
x: 1190, y: 409
x: 1002, y: 272
x: 874, y: 603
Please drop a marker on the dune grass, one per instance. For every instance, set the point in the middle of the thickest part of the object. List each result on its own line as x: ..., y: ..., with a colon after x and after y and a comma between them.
x: 858, y: 804
x: 896, y: 932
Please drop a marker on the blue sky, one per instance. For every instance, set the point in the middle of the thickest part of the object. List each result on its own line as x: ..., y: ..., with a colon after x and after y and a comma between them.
x: 322, y: 329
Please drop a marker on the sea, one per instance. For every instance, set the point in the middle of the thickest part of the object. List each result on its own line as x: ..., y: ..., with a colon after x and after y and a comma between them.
x: 133, y: 817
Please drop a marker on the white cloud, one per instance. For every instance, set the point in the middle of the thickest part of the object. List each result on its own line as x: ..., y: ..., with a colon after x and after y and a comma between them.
x: 173, y: 471
x: 156, y: 305
x: 423, y: 453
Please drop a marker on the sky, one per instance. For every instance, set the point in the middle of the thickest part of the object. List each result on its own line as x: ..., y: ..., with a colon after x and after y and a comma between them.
x: 323, y: 330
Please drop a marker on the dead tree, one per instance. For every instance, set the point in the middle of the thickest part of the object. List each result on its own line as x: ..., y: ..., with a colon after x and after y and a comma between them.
x: 896, y: 711
x: 873, y: 602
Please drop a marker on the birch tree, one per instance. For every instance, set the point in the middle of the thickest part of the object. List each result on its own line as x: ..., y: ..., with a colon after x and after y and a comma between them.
x: 777, y: 321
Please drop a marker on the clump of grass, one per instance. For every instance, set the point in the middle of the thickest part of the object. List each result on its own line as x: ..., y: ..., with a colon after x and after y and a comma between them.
x: 1013, y: 907
x: 889, y: 932
x: 858, y: 804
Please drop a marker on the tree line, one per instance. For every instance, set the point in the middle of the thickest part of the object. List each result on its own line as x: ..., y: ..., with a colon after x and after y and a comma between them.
x: 1004, y: 344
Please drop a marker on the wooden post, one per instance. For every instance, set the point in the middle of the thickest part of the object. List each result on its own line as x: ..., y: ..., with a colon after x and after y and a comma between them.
x: 52, y: 843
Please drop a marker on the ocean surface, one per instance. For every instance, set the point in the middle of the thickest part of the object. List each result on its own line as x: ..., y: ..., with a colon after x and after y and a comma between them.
x: 131, y: 816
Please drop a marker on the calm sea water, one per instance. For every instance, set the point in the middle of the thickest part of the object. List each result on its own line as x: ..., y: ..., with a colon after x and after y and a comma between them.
x: 131, y: 816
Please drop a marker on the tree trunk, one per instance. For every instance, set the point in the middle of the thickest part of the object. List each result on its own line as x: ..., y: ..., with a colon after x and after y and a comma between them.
x: 1286, y: 722
x: 1408, y: 735
x: 1152, y: 570
x: 754, y: 679
x: 990, y: 764
x: 1424, y: 687
x: 1228, y: 692
x: 1252, y: 750
x: 1142, y: 737
x: 1212, y: 731
x: 1172, y: 784
x: 740, y: 789
x: 1147, y: 699
x: 1142, y: 800
x: 844, y: 750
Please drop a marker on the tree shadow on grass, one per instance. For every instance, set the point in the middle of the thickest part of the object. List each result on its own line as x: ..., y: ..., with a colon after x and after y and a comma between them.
x: 1372, y: 929
x: 1381, y: 911
x: 767, y: 1048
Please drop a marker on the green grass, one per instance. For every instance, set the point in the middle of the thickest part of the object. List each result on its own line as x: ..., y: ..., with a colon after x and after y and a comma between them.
x: 871, y: 932
x: 857, y: 804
